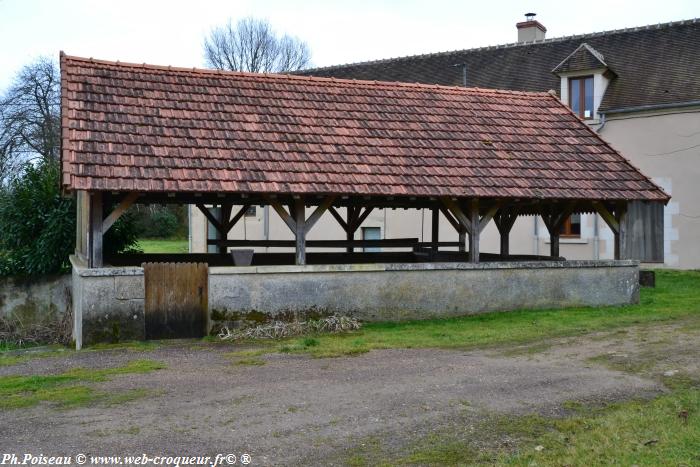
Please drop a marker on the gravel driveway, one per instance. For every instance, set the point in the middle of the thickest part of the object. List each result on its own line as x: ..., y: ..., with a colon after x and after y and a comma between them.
x: 295, y: 409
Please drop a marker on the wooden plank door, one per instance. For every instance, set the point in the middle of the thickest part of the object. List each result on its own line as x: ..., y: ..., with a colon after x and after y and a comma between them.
x: 176, y: 300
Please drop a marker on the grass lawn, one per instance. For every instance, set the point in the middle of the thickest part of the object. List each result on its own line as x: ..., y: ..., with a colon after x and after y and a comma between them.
x: 159, y: 245
x: 64, y: 389
x: 676, y: 296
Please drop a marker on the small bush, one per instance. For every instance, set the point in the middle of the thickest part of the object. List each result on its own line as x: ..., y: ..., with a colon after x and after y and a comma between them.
x: 156, y: 222
x: 37, y: 224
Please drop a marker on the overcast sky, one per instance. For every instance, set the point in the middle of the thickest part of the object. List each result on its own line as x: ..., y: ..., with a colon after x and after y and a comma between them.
x: 170, y: 32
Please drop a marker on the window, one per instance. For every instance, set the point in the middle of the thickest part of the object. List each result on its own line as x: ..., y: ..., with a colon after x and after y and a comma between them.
x: 572, y: 226
x: 371, y: 233
x: 251, y: 211
x: 581, y: 96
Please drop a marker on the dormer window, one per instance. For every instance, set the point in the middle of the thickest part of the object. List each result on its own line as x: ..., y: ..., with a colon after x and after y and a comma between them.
x: 581, y: 96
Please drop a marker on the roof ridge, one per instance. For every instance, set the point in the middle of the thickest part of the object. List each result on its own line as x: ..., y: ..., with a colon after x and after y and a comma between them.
x: 509, y: 44
x: 283, y: 76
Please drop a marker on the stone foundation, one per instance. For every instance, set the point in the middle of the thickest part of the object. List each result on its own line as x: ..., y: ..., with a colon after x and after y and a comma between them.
x: 109, y: 301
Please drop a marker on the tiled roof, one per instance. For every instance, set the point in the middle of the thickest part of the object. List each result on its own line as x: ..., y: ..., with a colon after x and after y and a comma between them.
x: 655, y: 65
x: 160, y: 129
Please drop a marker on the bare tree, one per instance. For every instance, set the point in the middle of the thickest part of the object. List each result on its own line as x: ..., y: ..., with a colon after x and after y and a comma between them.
x: 30, y: 117
x: 252, y: 45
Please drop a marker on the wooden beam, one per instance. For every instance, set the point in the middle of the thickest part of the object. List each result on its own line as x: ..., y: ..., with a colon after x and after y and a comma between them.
x: 450, y: 218
x: 300, y: 231
x: 607, y: 216
x: 474, y: 230
x: 554, y: 221
x: 210, y: 217
x: 488, y: 216
x: 386, y: 243
x: 462, y: 240
x: 318, y: 212
x: 457, y: 212
x: 504, y: 221
x: 228, y: 225
x: 95, y: 232
x: 621, y: 234
x: 336, y: 215
x: 225, y: 216
x: 360, y: 218
x: 118, y: 211
x: 286, y: 217
x: 435, y: 229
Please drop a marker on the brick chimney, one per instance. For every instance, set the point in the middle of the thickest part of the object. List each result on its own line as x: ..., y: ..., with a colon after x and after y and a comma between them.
x: 530, y: 29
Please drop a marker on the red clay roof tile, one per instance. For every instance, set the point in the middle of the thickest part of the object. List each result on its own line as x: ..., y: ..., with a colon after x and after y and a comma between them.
x: 148, y: 128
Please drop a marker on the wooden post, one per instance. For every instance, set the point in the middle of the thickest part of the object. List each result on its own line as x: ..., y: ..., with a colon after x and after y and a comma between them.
x: 504, y: 221
x: 621, y: 235
x: 475, y: 231
x: 224, y: 220
x: 554, y: 221
x: 435, y: 232
x: 350, y: 220
x: 617, y: 223
x: 462, y: 238
x: 95, y: 235
x: 554, y: 244
x: 300, y: 231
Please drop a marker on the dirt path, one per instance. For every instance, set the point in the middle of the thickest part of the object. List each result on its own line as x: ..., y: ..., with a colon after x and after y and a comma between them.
x: 297, y: 409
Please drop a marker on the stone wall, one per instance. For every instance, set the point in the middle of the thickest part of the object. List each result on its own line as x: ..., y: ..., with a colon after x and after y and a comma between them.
x: 392, y: 292
x: 109, y: 302
x: 35, y: 300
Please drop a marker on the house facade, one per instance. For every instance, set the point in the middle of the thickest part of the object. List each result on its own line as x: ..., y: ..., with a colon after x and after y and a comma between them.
x: 638, y: 88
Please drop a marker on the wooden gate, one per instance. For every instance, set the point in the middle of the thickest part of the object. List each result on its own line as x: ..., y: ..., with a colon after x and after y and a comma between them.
x: 176, y: 300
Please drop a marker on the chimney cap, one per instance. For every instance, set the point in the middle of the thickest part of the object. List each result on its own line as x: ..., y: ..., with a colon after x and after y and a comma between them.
x: 530, y: 16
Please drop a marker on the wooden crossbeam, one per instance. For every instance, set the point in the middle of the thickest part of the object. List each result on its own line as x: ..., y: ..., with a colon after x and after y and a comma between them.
x: 210, y: 217
x: 504, y: 220
x: 361, y: 217
x: 232, y: 222
x: 318, y: 212
x: 450, y: 218
x: 118, y: 211
x: 336, y: 215
x: 456, y: 210
x: 286, y: 217
x: 607, y: 216
x: 386, y: 243
x: 486, y: 218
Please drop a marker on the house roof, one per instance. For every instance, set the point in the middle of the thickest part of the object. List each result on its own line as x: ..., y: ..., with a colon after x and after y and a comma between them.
x: 655, y: 65
x: 128, y: 127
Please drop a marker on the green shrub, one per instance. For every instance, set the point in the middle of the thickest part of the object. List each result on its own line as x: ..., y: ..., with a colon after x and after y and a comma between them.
x: 157, y: 221
x: 37, y: 224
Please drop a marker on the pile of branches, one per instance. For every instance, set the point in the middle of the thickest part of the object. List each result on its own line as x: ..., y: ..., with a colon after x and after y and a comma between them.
x: 14, y: 333
x: 282, y: 329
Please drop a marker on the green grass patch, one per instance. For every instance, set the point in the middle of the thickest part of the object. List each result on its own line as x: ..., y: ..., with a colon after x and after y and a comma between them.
x: 136, y: 346
x: 65, y: 389
x: 158, y: 245
x: 676, y: 296
x: 14, y: 357
x: 628, y: 433
x: 250, y: 361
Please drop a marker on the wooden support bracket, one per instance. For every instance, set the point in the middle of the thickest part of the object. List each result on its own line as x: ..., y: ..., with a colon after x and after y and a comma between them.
x: 454, y: 208
x: 607, y: 216
x: 118, y: 211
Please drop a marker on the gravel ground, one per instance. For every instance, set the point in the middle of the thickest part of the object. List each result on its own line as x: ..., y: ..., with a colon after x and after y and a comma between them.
x: 299, y: 410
